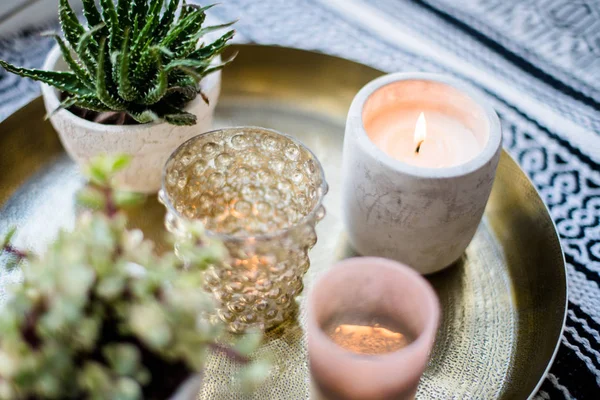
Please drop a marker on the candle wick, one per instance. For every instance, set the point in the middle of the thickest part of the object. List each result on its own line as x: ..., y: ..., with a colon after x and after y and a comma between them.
x: 418, y: 149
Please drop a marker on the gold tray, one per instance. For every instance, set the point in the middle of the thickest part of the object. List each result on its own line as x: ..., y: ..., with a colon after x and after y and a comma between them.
x: 504, y: 305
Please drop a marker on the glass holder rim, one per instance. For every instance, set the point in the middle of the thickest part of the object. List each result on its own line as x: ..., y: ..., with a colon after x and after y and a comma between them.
x: 226, y: 237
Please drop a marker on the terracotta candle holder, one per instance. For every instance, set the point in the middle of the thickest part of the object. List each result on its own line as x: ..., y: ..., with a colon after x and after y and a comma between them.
x: 418, y: 199
x: 378, y: 291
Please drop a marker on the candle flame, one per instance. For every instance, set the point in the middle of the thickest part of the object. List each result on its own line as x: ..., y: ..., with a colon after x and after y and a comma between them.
x: 369, y: 340
x: 420, y: 131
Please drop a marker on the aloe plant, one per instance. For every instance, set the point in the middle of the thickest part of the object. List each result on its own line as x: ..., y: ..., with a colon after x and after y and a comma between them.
x: 139, y: 57
x: 100, y: 315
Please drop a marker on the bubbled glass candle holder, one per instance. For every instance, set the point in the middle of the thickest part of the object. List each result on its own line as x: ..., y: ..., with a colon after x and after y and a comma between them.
x: 260, y: 192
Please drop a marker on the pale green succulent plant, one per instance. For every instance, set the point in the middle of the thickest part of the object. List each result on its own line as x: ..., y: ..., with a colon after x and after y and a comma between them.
x: 139, y: 57
x: 101, y: 316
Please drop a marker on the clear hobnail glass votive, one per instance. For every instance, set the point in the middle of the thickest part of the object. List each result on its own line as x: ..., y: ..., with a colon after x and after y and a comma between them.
x: 260, y: 192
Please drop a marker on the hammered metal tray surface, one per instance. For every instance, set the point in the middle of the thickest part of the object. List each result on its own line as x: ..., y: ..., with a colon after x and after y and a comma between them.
x: 503, y: 303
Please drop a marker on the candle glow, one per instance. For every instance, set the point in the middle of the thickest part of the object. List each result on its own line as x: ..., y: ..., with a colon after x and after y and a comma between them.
x: 434, y: 140
x: 366, y: 339
x: 420, y: 131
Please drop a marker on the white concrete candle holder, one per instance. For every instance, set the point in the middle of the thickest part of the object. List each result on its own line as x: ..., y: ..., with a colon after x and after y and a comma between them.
x: 421, y: 216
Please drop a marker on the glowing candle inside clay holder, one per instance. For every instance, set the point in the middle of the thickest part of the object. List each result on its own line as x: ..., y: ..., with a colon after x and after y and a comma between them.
x: 420, y: 158
x: 366, y: 338
x: 371, y: 326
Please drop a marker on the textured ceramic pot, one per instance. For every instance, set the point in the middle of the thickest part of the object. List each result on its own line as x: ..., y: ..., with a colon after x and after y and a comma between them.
x: 261, y: 193
x: 149, y: 145
x: 423, y: 217
x: 370, y: 288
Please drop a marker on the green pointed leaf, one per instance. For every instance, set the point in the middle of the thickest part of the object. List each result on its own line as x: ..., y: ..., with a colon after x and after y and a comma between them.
x: 69, y: 23
x: 94, y: 19
x: 145, y: 71
x: 167, y: 20
x: 166, y: 52
x: 213, y: 28
x: 144, y: 38
x: 220, y: 66
x: 136, y: 26
x: 191, y: 73
x: 63, y: 106
x: 123, y: 9
x: 213, y: 49
x: 185, y: 9
x: 73, y: 31
x: 123, y: 21
x: 183, y: 30
x: 64, y: 81
x: 88, y: 37
x: 182, y: 119
x: 75, y: 67
x: 188, y: 63
x: 91, y: 103
x: 138, y: 7
x: 177, y: 116
x: 179, y: 96
x: 161, y: 83
x: 189, y: 44
x: 127, y: 91
x: 201, y: 7
x: 156, y: 6
x: 109, y: 14
x: 144, y: 117
x: 91, y: 13
x: 181, y: 79
x: 104, y: 81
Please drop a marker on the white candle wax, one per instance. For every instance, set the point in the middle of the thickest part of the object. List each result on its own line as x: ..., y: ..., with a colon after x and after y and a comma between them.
x: 447, y: 141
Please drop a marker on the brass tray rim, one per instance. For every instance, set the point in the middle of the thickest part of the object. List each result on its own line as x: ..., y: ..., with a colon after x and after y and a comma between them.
x: 235, y: 47
x: 566, y: 282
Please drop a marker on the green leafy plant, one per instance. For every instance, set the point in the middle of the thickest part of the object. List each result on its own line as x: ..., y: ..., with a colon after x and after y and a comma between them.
x: 101, y: 316
x: 137, y: 57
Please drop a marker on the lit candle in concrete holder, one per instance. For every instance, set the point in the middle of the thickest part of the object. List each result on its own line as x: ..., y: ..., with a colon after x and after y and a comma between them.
x: 371, y: 326
x: 420, y: 157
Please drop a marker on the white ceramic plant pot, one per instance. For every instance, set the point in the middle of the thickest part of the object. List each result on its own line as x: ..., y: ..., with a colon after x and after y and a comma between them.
x: 422, y: 217
x: 149, y: 145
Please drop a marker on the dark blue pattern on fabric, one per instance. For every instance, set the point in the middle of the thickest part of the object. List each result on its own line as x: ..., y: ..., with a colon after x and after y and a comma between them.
x: 567, y: 176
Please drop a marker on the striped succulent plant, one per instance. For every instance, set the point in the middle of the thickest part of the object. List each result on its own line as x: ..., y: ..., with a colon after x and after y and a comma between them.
x: 139, y: 57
